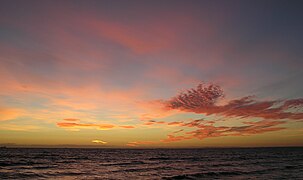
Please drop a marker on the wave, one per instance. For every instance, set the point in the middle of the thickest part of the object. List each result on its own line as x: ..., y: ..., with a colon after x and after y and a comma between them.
x: 123, y: 163
x: 20, y: 163
x: 151, y: 164
x: 23, y: 175
x: 142, y: 169
x: 159, y: 159
x: 206, y: 174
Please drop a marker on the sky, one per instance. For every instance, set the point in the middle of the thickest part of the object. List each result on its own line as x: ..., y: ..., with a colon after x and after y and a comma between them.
x: 145, y: 73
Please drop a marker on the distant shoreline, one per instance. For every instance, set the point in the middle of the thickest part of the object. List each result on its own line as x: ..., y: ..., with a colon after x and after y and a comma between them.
x: 141, y: 148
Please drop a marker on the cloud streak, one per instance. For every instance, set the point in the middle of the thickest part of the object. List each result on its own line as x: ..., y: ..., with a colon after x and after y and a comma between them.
x: 138, y: 143
x: 71, y: 123
x: 80, y: 125
x: 7, y: 113
x: 203, y: 131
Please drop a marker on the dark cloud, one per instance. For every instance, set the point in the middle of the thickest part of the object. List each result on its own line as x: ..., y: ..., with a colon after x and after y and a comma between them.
x: 175, y: 132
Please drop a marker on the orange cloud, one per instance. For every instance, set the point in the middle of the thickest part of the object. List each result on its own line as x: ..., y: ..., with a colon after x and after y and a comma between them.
x: 71, y: 119
x: 10, y: 113
x: 79, y: 125
x: 127, y: 127
x: 149, y: 123
x: 73, y: 124
x: 137, y: 143
x: 172, y: 138
x: 175, y: 123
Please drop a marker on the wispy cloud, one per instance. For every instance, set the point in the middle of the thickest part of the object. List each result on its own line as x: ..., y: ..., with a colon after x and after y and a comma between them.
x: 71, y: 124
x: 127, y: 127
x: 10, y: 113
x: 18, y: 127
x: 207, y: 131
x: 80, y: 125
x: 138, y: 143
x: 71, y: 119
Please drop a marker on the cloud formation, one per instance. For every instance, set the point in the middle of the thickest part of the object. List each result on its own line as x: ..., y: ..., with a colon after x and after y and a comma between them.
x: 203, y: 98
x: 249, y: 128
x: 267, y: 115
x: 199, y: 97
x: 201, y: 129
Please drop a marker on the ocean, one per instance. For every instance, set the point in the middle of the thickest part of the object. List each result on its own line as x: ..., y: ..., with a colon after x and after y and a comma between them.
x: 209, y: 163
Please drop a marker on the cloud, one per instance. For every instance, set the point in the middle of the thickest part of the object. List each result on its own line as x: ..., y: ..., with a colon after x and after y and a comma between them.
x: 203, y: 131
x: 99, y: 141
x: 206, y: 131
x: 199, y: 97
x: 127, y: 127
x: 175, y: 132
x: 18, y: 127
x: 137, y: 143
x: 74, y: 125
x: 152, y: 122
x: 172, y: 138
x: 80, y: 125
x: 10, y: 113
x: 71, y: 119
x: 267, y: 115
x: 203, y: 98
x: 174, y: 123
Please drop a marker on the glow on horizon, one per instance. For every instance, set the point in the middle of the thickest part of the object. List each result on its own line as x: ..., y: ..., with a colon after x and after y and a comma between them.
x: 151, y: 74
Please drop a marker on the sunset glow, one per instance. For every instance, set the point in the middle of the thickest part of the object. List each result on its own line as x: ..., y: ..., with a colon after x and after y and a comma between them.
x: 145, y: 74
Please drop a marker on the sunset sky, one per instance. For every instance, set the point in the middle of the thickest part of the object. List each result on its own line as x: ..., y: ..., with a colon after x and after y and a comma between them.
x: 151, y: 73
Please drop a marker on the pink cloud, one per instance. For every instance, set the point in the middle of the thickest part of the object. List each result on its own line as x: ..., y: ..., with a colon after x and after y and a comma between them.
x: 202, y: 100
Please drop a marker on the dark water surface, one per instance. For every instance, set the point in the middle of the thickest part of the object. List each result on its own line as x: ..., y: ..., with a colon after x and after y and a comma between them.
x: 233, y: 163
